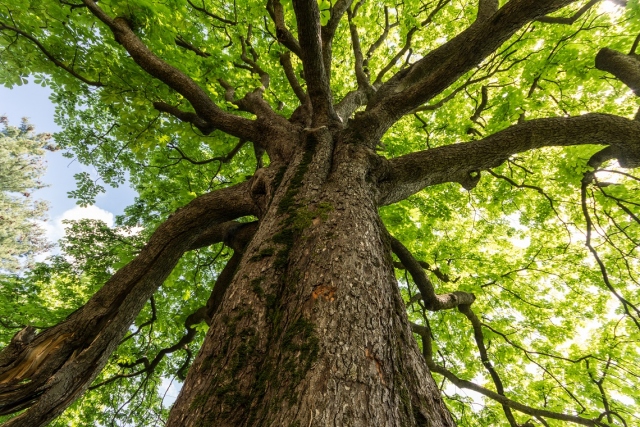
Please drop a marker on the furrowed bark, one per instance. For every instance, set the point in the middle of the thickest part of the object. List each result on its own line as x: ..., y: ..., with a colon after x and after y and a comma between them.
x: 463, y: 162
x: 56, y: 366
x: 309, y: 34
x: 409, y: 89
x: 312, y: 331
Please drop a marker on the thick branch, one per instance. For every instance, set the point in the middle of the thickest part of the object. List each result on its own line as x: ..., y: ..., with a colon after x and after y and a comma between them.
x: 276, y: 11
x: 351, y: 102
x: 308, y: 18
x: 176, y: 79
x: 461, y: 163
x: 62, y: 361
x: 285, y: 61
x: 186, y: 116
x: 436, y: 71
x: 625, y: 67
x: 253, y: 103
x: 571, y: 19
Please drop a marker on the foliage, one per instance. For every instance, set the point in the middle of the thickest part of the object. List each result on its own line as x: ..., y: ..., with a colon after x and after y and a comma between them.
x: 21, y: 166
x: 551, y: 258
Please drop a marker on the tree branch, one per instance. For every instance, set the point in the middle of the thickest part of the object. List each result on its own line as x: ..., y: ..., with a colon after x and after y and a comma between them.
x: 484, y: 358
x: 410, y: 88
x: 180, y: 41
x: 237, y: 239
x: 432, y: 301
x: 153, y: 318
x: 462, y: 162
x: 222, y: 159
x: 236, y: 235
x: 625, y: 67
x: 48, y: 54
x: 329, y: 31
x: 211, y: 15
x: 425, y: 333
x: 253, y: 103
x: 351, y: 102
x: 176, y: 79
x: 361, y: 77
x: 337, y: 12
x: 276, y: 11
x: 285, y: 61
x: 381, y: 38
x: 253, y: 65
x: 186, y: 116
x: 308, y: 18
x: 571, y: 19
x: 630, y: 309
x: 61, y: 362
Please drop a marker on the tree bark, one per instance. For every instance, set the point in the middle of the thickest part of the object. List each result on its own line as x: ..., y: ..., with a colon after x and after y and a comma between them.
x: 624, y: 67
x: 48, y: 371
x: 313, y: 330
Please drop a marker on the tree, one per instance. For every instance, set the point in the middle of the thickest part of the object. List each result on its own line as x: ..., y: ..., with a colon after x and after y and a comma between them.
x: 21, y: 166
x: 448, y: 171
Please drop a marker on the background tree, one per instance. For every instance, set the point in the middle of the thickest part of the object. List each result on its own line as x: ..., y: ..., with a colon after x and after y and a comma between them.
x: 21, y: 166
x: 310, y: 194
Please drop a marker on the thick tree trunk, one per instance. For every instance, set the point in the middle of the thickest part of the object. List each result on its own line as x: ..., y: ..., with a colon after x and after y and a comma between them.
x: 313, y: 331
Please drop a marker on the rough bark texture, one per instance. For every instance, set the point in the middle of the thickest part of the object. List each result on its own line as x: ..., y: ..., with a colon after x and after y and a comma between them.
x: 624, y: 67
x: 313, y: 331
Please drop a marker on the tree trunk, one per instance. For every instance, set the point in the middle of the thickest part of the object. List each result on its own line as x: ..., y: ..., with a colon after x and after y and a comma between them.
x: 313, y: 330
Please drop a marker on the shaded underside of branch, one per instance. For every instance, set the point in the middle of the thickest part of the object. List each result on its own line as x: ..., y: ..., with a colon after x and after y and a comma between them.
x: 462, y: 162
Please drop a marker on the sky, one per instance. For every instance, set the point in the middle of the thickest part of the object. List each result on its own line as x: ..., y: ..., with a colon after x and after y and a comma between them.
x: 32, y: 101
